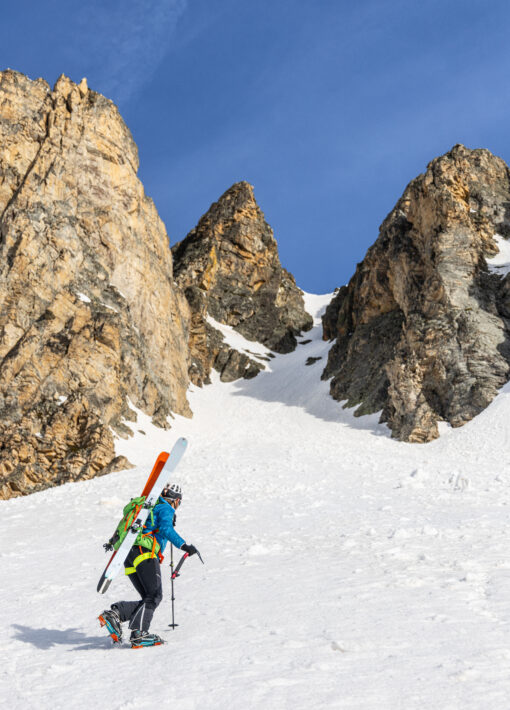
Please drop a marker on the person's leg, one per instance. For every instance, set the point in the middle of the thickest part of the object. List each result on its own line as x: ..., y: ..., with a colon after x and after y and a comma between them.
x: 148, y: 576
x: 125, y: 609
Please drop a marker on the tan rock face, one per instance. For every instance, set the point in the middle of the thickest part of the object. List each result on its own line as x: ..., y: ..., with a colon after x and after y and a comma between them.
x: 422, y: 329
x: 229, y: 269
x: 89, y: 315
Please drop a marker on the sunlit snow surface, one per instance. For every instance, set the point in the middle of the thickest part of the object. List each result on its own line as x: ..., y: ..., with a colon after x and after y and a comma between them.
x: 500, y: 264
x: 236, y: 340
x: 343, y: 569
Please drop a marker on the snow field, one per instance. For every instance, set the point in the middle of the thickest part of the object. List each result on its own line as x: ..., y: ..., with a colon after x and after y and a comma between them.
x: 342, y: 569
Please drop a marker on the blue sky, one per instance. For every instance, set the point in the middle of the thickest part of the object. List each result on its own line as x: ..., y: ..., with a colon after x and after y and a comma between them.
x: 328, y: 107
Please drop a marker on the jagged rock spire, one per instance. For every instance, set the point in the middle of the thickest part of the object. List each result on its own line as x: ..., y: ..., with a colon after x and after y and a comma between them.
x: 229, y: 268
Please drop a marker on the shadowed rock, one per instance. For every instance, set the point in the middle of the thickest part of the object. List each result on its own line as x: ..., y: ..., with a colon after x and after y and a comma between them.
x: 422, y: 330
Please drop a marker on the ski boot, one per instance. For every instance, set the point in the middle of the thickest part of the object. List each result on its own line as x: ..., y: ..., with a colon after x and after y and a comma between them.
x: 111, y: 619
x: 139, y: 639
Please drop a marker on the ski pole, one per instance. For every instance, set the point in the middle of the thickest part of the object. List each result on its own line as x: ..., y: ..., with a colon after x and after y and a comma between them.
x: 173, y: 624
x: 175, y: 573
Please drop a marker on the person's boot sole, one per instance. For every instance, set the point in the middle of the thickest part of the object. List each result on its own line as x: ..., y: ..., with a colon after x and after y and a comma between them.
x: 148, y: 645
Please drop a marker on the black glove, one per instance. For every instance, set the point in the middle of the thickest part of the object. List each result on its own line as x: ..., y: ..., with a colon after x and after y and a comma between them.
x: 108, y: 547
x: 190, y: 549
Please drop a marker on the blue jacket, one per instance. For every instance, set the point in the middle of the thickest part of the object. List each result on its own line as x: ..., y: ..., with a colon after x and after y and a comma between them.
x: 164, y: 523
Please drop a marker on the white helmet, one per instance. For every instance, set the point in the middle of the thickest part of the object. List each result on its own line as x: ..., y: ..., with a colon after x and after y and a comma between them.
x: 172, y: 492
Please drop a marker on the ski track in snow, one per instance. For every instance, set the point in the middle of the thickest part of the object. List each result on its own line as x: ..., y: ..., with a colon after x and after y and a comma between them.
x: 342, y: 569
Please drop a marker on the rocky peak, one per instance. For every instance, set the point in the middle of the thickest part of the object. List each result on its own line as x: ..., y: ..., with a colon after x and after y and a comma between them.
x: 90, y: 319
x: 422, y: 331
x: 229, y: 269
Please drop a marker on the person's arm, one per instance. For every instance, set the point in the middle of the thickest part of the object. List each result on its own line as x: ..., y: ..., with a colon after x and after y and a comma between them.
x: 166, y: 527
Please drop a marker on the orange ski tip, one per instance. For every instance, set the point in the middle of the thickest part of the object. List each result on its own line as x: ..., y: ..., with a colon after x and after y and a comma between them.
x: 158, y: 467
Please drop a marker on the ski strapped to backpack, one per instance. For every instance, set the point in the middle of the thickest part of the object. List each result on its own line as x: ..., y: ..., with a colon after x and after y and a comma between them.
x: 127, y: 523
x: 143, y: 540
x: 129, y: 531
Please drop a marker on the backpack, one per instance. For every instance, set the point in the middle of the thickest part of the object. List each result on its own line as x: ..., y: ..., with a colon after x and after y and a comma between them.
x: 130, y: 513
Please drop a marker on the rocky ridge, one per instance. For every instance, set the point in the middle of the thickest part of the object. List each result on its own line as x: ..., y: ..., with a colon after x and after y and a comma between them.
x: 422, y: 330
x: 229, y: 269
x: 97, y: 317
x: 92, y: 322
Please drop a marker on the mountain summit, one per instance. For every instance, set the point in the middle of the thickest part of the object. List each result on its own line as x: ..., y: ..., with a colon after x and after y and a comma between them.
x: 229, y: 269
x: 422, y: 330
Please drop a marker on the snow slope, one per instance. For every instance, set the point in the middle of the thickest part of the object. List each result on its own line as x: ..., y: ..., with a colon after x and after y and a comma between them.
x: 500, y: 263
x: 343, y: 569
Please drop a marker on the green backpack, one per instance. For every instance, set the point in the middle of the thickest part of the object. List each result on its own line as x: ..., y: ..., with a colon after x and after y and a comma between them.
x: 130, y: 513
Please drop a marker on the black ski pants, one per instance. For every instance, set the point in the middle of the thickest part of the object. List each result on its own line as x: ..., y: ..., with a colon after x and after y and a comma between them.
x: 147, y: 582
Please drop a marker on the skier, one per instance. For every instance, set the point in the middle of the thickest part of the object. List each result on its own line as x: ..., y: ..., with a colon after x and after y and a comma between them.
x: 143, y: 567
